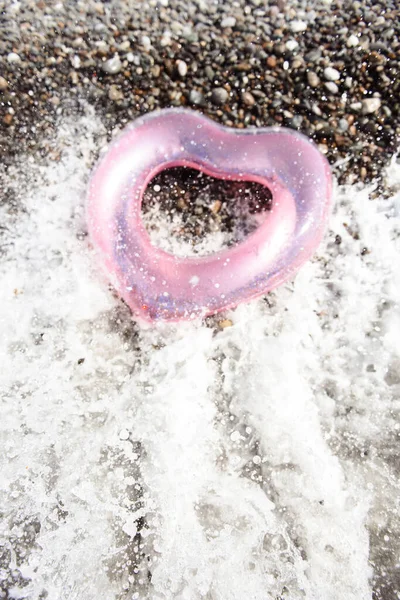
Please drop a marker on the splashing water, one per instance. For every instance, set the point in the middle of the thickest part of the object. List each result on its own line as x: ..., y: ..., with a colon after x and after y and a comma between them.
x: 198, y: 460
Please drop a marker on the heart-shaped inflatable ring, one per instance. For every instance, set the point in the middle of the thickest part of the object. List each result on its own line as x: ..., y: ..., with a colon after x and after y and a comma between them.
x: 160, y: 286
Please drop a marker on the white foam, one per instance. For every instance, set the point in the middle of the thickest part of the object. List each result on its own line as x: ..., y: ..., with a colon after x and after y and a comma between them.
x: 241, y: 452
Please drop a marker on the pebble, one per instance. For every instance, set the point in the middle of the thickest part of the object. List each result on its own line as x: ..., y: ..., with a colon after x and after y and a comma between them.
x: 228, y: 22
x: 331, y: 74
x: 248, y: 98
x: 3, y: 84
x: 196, y: 97
x: 115, y: 94
x: 331, y: 87
x: 370, y: 105
x: 146, y: 42
x: 225, y: 323
x: 292, y: 45
x: 181, y: 67
x: 352, y: 41
x: 13, y: 58
x: 219, y: 95
x: 112, y: 66
x: 314, y: 55
x: 298, y: 26
x: 271, y: 62
x: 313, y: 79
x: 75, y: 61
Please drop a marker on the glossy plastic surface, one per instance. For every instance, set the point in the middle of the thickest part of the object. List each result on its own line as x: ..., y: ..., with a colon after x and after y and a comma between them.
x: 160, y: 286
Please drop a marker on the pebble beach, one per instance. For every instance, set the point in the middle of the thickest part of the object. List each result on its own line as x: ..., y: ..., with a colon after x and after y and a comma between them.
x: 254, y: 454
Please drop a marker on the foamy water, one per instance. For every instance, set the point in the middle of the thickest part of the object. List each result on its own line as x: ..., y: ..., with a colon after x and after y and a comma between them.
x: 187, y: 462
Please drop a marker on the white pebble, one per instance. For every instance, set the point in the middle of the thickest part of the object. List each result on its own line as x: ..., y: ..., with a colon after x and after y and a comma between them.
x: 291, y: 45
x: 331, y: 74
x: 182, y: 67
x: 13, y: 57
x: 76, y: 61
x: 297, y: 26
x: 146, y: 42
x: 370, y: 105
x: 352, y: 41
x: 331, y: 87
x: 228, y: 22
x: 112, y: 66
x: 124, y: 434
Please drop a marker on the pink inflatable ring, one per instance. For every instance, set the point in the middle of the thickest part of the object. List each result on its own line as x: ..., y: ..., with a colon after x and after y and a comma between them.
x: 160, y: 286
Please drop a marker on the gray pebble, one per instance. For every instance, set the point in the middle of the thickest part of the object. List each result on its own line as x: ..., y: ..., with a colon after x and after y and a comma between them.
x: 370, y: 105
x: 313, y: 55
x: 331, y: 74
x: 228, y: 22
x: 209, y: 71
x: 343, y: 125
x: 219, y: 95
x: 196, y: 97
x: 248, y: 99
x: 112, y: 66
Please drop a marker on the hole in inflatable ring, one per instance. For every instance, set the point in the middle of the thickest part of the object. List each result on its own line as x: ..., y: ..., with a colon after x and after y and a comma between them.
x: 189, y: 213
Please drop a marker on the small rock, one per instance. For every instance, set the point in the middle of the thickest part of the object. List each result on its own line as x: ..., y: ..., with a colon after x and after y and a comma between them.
x: 292, y: 45
x: 13, y: 58
x: 228, y: 22
x: 75, y: 61
x: 331, y: 74
x: 331, y: 87
x: 348, y: 82
x: 297, y: 26
x: 181, y: 67
x: 370, y: 105
x: 3, y: 84
x: 125, y: 46
x: 343, y: 125
x: 313, y: 79
x: 271, y: 62
x: 112, y: 66
x: 209, y: 71
x: 196, y: 97
x: 115, y: 94
x: 313, y: 55
x: 7, y: 120
x: 248, y: 99
x: 225, y: 323
x: 146, y: 42
x: 352, y: 41
x: 356, y: 106
x: 219, y: 95
x: 216, y: 207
